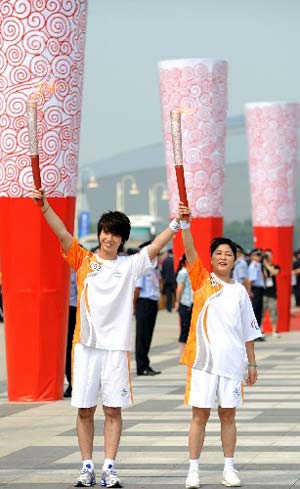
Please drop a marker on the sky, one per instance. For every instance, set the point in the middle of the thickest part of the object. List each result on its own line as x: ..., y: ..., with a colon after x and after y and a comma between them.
x: 260, y: 39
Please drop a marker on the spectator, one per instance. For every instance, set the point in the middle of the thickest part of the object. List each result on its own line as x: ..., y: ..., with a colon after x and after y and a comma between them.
x: 256, y: 285
x: 296, y: 277
x: 168, y: 275
x: 270, y: 272
x: 184, y: 301
x: 240, y: 271
x: 71, y: 329
x: 146, y: 297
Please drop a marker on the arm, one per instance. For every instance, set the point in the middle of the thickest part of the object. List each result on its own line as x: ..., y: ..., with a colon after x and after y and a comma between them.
x: 159, y: 242
x: 187, y: 237
x: 179, y: 290
x: 54, y: 221
x: 252, y: 370
x: 272, y: 270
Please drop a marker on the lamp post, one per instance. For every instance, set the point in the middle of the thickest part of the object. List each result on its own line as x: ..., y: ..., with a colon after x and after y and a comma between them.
x: 82, y: 211
x: 153, y: 205
x: 120, y: 191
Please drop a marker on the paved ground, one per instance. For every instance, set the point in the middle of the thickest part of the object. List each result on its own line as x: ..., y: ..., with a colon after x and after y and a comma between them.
x: 38, y: 446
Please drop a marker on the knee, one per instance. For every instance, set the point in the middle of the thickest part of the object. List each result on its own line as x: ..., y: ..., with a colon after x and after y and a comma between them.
x: 226, y: 415
x: 200, y: 416
x: 112, y: 413
x: 86, y: 413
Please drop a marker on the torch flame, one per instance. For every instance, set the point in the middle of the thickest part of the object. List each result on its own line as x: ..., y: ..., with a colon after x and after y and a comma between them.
x: 44, y: 90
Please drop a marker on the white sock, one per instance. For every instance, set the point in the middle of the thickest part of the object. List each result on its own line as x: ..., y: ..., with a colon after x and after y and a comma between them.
x: 89, y: 464
x: 108, y: 463
x: 228, y: 463
x: 194, y: 464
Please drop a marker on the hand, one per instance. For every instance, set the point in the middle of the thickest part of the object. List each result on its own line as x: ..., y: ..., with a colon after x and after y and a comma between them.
x: 37, y: 195
x: 252, y: 376
x: 183, y: 213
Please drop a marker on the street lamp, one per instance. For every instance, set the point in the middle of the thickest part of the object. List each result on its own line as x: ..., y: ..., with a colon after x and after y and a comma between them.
x: 120, y: 191
x: 153, y: 206
x: 86, y: 179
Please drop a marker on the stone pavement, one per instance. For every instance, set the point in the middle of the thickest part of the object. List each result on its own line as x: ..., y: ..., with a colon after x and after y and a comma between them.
x: 38, y: 445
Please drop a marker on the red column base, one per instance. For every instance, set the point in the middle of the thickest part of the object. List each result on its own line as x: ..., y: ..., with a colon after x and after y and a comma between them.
x: 204, y: 229
x: 36, y: 298
x: 280, y: 241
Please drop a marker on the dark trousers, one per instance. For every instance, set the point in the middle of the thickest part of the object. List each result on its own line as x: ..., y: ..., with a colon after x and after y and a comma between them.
x: 296, y: 292
x: 185, y: 315
x: 71, y: 328
x: 257, y: 303
x: 145, y: 314
x: 169, y: 290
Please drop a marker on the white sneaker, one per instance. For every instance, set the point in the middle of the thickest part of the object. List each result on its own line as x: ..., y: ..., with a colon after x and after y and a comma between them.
x: 193, y: 480
x: 230, y: 478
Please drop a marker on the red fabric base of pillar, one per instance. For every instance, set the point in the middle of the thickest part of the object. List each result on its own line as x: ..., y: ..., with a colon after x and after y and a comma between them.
x: 204, y: 229
x: 36, y: 298
x: 280, y: 241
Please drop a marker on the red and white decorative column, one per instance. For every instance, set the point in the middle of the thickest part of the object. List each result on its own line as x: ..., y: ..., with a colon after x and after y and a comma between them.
x: 40, y: 41
x: 272, y: 131
x: 198, y: 88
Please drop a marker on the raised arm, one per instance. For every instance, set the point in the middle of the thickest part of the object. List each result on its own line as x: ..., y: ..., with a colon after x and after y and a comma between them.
x: 162, y: 239
x: 187, y: 237
x: 54, y: 221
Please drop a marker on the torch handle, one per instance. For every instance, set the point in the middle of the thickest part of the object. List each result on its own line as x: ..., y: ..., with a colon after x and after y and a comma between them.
x: 35, y: 160
x: 181, y: 184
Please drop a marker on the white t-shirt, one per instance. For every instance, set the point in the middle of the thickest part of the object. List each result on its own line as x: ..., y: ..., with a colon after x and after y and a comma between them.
x: 230, y: 324
x: 105, y: 297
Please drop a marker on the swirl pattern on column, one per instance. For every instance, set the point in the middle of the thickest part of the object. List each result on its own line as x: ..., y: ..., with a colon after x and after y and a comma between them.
x: 41, y: 41
x: 272, y: 132
x: 197, y: 87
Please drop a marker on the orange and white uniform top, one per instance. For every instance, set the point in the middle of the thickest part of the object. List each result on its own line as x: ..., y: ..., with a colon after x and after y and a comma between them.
x: 105, y: 297
x: 222, y: 322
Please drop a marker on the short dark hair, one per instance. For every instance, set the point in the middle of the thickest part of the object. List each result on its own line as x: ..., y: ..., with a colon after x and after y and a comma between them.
x: 220, y: 241
x: 240, y: 249
x: 116, y: 223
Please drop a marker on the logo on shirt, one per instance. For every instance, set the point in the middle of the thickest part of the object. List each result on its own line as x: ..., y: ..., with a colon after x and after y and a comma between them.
x: 124, y: 392
x: 236, y: 392
x: 117, y: 274
x: 213, y: 282
x: 95, y: 266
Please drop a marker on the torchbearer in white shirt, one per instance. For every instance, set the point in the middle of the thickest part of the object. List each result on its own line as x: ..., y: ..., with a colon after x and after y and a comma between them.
x: 102, y: 338
x: 220, y: 344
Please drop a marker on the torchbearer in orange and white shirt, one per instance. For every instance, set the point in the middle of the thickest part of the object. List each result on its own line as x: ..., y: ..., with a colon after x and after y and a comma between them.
x: 102, y: 338
x: 219, y: 347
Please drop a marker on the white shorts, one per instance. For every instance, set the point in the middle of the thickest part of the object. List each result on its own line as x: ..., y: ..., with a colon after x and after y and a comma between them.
x: 104, y: 373
x: 203, y: 389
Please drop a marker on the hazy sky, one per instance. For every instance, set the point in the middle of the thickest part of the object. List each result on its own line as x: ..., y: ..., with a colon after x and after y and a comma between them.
x: 126, y: 38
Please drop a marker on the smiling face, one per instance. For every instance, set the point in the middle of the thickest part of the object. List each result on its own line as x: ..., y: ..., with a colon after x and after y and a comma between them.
x: 222, y: 261
x: 109, y: 244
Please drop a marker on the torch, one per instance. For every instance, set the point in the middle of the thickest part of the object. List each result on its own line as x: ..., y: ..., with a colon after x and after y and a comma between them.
x: 178, y: 155
x: 33, y: 143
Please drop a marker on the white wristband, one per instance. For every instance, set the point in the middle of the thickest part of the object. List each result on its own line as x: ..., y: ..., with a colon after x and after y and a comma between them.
x: 174, y: 225
x: 185, y: 225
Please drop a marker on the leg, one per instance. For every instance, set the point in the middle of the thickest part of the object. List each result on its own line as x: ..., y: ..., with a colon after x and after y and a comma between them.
x: 71, y: 327
x: 197, y: 431
x: 112, y: 431
x: 141, y: 314
x: 152, y: 314
x: 85, y: 431
x: 228, y: 430
x: 273, y: 313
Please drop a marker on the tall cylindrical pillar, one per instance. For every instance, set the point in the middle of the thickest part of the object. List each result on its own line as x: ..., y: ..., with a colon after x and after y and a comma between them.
x: 198, y: 88
x: 41, y: 41
x: 272, y: 140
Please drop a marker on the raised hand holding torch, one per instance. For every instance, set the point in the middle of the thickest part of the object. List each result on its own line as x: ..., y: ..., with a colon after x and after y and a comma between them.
x: 175, y: 116
x: 33, y: 144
